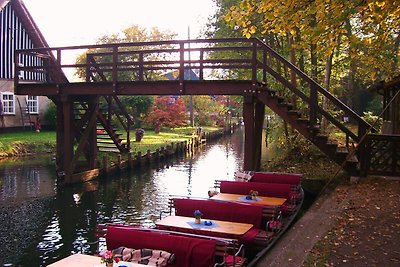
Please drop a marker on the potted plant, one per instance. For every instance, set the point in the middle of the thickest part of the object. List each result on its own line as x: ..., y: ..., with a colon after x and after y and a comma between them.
x: 197, y: 216
x: 139, y: 134
x: 107, y: 257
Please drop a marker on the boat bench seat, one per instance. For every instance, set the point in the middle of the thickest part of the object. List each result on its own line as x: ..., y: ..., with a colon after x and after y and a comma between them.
x: 274, y: 177
x: 229, y: 211
x: 190, y: 250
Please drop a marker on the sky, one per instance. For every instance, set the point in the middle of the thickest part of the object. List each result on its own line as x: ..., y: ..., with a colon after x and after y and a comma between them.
x: 82, y: 22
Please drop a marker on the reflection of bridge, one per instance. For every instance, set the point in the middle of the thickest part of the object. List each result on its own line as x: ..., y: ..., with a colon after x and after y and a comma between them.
x: 244, y: 67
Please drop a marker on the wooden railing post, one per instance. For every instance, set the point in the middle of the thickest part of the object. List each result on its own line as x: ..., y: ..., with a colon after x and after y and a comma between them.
x: 254, y: 64
x: 88, y: 60
x: 128, y: 136
x: 264, y: 69
x: 181, y: 65
x: 201, y: 71
x: 141, y: 67
x: 115, y: 66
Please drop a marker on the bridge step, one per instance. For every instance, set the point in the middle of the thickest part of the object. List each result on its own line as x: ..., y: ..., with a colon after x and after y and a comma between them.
x: 302, y: 124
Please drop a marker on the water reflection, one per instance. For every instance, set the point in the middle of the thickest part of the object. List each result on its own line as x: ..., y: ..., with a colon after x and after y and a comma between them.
x: 136, y: 198
x: 22, y: 179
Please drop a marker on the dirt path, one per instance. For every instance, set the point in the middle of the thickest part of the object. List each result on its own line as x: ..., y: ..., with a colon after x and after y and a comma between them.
x: 355, y: 225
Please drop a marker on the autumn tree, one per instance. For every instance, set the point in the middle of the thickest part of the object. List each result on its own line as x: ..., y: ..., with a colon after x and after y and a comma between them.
x: 352, y: 41
x: 167, y: 112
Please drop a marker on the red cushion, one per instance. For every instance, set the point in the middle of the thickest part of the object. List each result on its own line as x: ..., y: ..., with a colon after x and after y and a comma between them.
x: 249, y: 236
x: 264, y: 189
x: 188, y: 251
x: 234, y: 260
x: 273, y: 177
x: 274, y: 225
x: 220, y: 210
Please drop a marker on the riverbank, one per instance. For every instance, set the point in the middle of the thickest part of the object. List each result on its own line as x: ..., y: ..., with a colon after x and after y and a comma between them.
x: 15, y: 144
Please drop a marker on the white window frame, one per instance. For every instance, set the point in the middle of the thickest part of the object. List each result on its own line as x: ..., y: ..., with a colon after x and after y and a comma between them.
x: 32, y: 103
x: 8, y: 104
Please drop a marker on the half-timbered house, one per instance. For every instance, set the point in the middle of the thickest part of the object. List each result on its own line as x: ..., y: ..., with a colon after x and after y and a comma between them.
x: 18, y: 31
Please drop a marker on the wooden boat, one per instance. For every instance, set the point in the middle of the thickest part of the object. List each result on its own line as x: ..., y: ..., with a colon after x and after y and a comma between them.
x: 289, y: 210
x: 267, y: 216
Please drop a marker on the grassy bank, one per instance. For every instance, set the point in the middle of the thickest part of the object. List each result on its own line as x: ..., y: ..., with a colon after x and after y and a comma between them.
x: 23, y: 143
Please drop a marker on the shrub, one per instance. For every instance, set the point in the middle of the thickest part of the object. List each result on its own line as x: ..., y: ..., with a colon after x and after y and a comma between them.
x: 50, y: 116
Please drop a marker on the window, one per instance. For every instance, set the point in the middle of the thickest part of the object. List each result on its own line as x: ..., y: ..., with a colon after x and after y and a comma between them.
x: 32, y: 103
x: 8, y: 103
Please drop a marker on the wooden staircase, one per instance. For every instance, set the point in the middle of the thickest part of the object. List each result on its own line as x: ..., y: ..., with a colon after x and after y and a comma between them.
x: 108, y: 138
x: 26, y: 118
x: 299, y: 122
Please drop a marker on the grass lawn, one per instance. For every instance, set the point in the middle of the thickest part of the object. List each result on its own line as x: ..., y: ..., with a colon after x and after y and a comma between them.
x: 151, y: 141
x: 18, y: 143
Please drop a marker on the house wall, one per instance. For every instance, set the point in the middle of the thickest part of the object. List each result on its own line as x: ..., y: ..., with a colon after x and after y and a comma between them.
x: 14, y: 35
x: 15, y: 120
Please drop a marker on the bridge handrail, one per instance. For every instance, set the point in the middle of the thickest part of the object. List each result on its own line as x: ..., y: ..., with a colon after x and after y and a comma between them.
x: 313, y: 83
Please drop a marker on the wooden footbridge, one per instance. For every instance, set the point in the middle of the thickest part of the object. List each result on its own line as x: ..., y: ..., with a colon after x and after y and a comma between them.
x: 246, y: 67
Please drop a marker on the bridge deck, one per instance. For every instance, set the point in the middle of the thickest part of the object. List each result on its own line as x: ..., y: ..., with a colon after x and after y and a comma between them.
x: 204, y: 87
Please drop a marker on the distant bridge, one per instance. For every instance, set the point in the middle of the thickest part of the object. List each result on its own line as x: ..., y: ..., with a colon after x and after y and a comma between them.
x: 246, y: 67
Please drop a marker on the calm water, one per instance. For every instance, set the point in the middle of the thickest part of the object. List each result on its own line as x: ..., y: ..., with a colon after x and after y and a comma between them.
x: 67, y: 225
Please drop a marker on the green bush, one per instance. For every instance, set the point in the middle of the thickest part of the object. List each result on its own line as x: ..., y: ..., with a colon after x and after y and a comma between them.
x: 50, y: 116
x: 374, y: 120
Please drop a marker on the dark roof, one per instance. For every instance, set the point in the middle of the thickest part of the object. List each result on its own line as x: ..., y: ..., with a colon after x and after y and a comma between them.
x: 382, y: 86
x: 30, y: 26
x: 27, y: 21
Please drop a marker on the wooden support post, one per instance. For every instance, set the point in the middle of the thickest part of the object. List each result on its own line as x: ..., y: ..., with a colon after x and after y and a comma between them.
x: 248, y: 117
x: 162, y: 153
x: 119, y: 161
x: 68, y: 136
x: 105, y: 165
x: 157, y: 155
x: 168, y: 151
x: 130, y: 163
x: 139, y: 158
x: 60, y: 137
x: 258, y: 128
x: 148, y: 156
x: 92, y: 139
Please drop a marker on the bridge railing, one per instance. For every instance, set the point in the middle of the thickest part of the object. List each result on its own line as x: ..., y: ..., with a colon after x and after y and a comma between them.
x: 271, y: 64
x: 382, y: 155
x: 143, y: 61
x: 182, y: 60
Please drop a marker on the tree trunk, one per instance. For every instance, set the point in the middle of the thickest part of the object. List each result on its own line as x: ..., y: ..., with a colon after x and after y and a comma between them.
x: 395, y: 53
x: 293, y: 80
x: 352, y: 66
x: 327, y: 81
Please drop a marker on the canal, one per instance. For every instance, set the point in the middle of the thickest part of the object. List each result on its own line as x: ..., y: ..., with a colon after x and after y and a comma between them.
x: 42, y: 223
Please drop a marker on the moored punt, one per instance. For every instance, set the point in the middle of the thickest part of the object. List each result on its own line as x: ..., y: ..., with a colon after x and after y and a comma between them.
x: 253, y: 224
x: 280, y: 185
x: 183, y: 249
